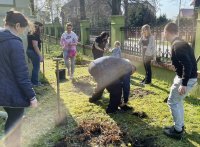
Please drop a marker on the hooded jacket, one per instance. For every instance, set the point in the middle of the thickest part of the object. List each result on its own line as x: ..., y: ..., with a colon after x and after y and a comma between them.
x: 15, y: 86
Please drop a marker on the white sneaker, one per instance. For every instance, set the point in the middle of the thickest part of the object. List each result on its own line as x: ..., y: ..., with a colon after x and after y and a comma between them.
x: 71, y: 77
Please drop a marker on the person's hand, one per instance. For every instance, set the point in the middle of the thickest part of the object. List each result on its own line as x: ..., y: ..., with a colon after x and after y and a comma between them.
x: 182, y: 90
x: 41, y: 58
x: 34, y: 103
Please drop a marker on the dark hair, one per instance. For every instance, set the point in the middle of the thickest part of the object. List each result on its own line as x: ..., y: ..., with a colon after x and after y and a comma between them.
x: 14, y: 17
x: 37, y: 27
x: 103, y: 35
x: 37, y: 23
x: 171, y: 28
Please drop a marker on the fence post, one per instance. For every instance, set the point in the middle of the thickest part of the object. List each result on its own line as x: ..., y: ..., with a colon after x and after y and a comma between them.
x: 85, y: 36
x: 117, y: 22
x: 197, y: 38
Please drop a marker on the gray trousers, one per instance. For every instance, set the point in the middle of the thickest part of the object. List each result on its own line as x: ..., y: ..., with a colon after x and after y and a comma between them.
x: 67, y: 63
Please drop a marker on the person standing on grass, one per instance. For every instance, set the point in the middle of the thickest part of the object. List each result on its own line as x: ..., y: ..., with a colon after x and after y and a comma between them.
x: 99, y: 45
x: 69, y: 42
x: 147, y: 42
x: 16, y: 90
x: 116, y: 52
x: 34, y: 52
x: 183, y: 59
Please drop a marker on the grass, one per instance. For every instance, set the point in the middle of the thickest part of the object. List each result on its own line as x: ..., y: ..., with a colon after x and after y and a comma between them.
x: 40, y: 127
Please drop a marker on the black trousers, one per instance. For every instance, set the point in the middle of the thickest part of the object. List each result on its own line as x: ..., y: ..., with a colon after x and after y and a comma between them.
x: 13, y: 126
x: 97, y: 53
x: 115, y: 90
x: 147, y: 67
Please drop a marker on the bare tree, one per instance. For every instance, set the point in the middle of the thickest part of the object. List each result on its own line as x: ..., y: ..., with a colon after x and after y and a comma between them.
x: 126, y: 11
x: 116, y: 7
x: 82, y: 9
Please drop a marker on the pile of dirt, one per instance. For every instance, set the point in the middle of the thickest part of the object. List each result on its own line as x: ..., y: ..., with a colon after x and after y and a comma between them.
x: 101, y: 133
x: 140, y: 93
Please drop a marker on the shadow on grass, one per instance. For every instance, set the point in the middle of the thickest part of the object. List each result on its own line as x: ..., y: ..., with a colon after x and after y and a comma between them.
x: 83, y: 85
x: 193, y: 100
x: 138, y: 132
x: 45, y: 125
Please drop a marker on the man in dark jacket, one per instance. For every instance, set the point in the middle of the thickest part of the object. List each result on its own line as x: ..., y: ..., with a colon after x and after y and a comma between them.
x: 183, y: 59
x: 107, y: 72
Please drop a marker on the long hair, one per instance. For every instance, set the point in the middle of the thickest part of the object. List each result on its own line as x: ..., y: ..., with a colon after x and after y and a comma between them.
x: 103, y: 35
x: 146, y: 27
x: 36, y: 29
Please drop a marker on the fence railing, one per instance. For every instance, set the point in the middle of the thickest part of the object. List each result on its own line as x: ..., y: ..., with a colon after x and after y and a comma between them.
x: 133, y: 34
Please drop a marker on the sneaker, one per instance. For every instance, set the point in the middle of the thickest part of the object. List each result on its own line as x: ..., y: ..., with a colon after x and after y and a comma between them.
x: 71, y: 77
x: 126, y: 108
x: 168, y: 127
x: 172, y: 133
x: 112, y: 111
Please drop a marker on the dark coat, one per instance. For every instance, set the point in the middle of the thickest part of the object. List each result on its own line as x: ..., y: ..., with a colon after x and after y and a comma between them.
x: 15, y: 86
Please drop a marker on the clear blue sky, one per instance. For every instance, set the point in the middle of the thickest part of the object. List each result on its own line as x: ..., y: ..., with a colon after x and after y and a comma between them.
x: 171, y: 7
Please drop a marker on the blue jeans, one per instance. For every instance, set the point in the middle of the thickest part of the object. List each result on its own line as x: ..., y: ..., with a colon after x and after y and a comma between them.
x: 126, y: 87
x: 35, y: 59
x: 175, y: 101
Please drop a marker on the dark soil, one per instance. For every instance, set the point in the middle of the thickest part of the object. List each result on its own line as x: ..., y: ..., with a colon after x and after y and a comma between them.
x: 140, y: 93
x: 103, y: 134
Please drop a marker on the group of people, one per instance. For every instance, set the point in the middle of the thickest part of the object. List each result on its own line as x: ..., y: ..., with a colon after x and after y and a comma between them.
x: 113, y: 73
x: 110, y: 72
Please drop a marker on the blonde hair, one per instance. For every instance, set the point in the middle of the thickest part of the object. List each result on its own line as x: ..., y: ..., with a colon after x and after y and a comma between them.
x: 146, y: 27
x: 117, y: 43
x: 69, y: 24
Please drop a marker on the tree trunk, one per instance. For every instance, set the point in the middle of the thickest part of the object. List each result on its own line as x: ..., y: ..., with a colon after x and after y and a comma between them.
x: 126, y: 12
x: 116, y: 5
x: 82, y: 10
x: 32, y: 7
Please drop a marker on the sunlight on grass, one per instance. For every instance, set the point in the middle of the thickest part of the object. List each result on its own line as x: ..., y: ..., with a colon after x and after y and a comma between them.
x: 40, y: 130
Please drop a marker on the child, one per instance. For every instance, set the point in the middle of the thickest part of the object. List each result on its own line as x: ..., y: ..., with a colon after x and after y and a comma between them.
x: 116, y: 52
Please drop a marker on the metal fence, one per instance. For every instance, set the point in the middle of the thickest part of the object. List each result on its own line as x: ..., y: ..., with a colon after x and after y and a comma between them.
x: 96, y: 31
x: 133, y: 34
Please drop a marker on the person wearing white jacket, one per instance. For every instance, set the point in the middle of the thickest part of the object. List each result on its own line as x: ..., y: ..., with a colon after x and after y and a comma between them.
x: 147, y: 43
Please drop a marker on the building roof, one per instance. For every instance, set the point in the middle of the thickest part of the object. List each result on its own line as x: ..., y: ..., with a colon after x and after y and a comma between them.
x: 187, y: 13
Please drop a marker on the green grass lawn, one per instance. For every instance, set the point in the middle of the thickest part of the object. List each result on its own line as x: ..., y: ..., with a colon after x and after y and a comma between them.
x: 40, y: 129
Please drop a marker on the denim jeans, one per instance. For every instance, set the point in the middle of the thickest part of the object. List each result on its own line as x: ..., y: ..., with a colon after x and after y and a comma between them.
x: 175, y: 101
x: 35, y: 59
x: 72, y: 59
x: 126, y: 87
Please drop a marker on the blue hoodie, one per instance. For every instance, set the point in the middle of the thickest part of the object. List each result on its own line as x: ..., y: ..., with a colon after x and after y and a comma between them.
x: 15, y: 86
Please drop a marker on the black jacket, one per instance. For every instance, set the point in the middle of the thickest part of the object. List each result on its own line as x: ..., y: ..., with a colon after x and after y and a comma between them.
x: 15, y: 87
x: 184, y: 61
